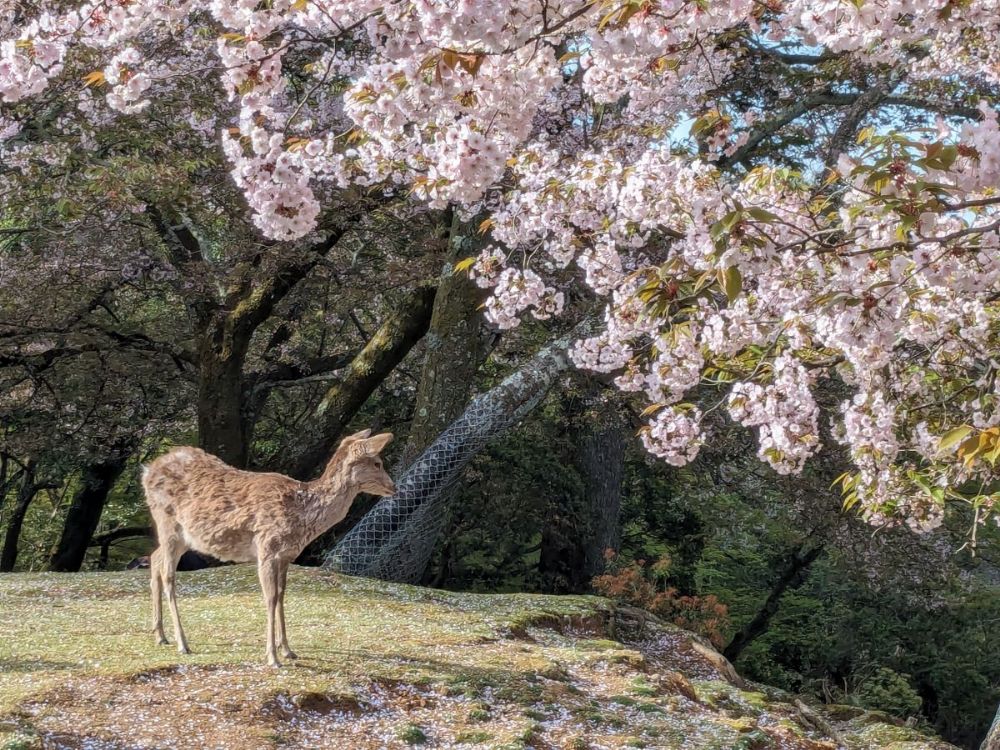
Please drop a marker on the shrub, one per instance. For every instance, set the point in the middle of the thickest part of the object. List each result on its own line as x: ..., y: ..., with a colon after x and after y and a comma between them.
x: 641, y: 585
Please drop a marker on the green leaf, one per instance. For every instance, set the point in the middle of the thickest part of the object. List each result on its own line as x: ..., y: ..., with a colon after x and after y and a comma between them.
x: 922, y: 482
x: 733, y: 282
x: 850, y: 500
x: 953, y: 437
x: 761, y: 214
x: 948, y: 155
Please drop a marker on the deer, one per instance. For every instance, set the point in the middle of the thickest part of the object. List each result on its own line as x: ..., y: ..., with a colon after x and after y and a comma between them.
x: 199, y: 502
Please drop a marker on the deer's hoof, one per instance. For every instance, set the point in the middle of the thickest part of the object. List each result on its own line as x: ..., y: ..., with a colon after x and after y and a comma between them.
x: 273, y: 663
x: 161, y: 640
x: 289, y: 654
x: 183, y: 649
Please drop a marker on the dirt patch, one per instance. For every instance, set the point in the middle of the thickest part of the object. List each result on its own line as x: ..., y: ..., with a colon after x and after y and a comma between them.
x: 285, y: 706
x: 170, y: 707
x: 590, y: 625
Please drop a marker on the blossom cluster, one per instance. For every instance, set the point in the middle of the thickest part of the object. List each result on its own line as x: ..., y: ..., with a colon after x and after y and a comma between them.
x: 785, y: 413
x: 558, y: 119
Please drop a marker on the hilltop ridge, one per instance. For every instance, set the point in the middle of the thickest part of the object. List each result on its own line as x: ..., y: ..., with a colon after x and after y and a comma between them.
x: 382, y: 666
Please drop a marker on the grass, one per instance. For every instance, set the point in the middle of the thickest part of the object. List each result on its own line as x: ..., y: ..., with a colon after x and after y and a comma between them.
x: 382, y: 666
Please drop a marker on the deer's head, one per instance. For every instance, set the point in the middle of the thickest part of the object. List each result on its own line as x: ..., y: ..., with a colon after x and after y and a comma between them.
x: 363, y: 467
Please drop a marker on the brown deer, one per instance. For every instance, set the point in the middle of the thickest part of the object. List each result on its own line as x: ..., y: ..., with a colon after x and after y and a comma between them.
x: 200, y: 503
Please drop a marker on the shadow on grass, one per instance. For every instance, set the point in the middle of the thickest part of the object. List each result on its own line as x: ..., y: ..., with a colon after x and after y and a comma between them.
x: 24, y: 666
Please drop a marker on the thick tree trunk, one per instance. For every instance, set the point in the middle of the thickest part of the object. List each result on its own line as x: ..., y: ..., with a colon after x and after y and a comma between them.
x: 222, y: 429
x: 455, y: 347
x: 8, y: 556
x: 579, y: 529
x: 600, y: 458
x: 792, y: 576
x: 561, y: 566
x: 226, y: 323
x: 4, y: 466
x: 403, y: 328
x: 84, y: 513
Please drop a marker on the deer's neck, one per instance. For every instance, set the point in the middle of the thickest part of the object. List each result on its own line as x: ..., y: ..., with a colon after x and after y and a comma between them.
x: 330, y: 497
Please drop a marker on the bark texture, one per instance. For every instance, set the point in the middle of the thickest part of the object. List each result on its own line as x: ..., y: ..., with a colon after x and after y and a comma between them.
x: 455, y: 346
x: 85, y: 511
x: 221, y: 428
x: 401, y: 330
x: 27, y: 492
x: 579, y: 529
x: 600, y: 459
x: 225, y: 323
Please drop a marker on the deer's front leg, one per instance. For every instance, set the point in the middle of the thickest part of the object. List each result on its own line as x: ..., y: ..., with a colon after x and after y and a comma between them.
x: 267, y: 570
x: 286, y: 650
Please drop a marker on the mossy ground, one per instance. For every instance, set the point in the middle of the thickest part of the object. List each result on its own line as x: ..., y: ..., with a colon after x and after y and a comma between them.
x: 382, y: 666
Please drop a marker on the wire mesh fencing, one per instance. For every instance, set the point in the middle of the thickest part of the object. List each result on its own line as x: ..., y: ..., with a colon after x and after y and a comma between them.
x: 394, y: 541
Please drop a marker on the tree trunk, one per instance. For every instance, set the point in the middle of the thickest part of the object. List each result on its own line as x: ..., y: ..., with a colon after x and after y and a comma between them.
x: 221, y: 425
x: 8, y: 556
x: 226, y: 325
x: 561, y: 562
x: 794, y: 575
x: 395, y: 539
x: 600, y: 459
x: 403, y: 328
x: 455, y: 350
x: 992, y: 741
x: 84, y: 513
x: 4, y: 465
x: 578, y: 529
x: 455, y: 347
x: 104, y: 541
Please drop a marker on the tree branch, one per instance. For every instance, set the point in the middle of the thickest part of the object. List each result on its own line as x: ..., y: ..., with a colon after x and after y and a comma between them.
x: 389, y: 345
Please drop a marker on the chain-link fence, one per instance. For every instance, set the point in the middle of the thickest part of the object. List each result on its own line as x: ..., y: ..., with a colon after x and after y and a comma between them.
x: 395, y: 539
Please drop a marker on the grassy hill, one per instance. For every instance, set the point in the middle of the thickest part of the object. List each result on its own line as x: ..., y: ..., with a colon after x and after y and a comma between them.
x: 382, y: 666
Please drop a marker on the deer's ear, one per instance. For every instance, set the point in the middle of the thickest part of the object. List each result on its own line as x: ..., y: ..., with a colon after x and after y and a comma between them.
x: 377, y: 444
x: 358, y: 435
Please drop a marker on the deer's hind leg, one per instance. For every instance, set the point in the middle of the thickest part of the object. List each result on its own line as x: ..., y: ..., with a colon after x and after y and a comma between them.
x: 268, y: 570
x: 171, y: 549
x: 156, y: 587
x: 282, y: 634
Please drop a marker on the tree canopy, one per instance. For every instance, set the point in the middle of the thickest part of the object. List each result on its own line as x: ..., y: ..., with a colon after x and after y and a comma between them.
x: 767, y: 196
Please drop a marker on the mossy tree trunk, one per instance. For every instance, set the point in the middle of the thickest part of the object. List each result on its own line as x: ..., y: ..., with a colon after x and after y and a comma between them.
x: 400, y: 331
x: 226, y: 321
x: 600, y: 459
x: 579, y: 529
x: 455, y: 344
x: 222, y: 429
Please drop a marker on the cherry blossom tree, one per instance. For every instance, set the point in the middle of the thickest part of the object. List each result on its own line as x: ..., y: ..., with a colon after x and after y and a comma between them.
x: 763, y: 196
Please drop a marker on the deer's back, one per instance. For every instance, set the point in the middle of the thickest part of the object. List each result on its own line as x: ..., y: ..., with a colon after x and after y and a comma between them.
x: 219, y: 509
